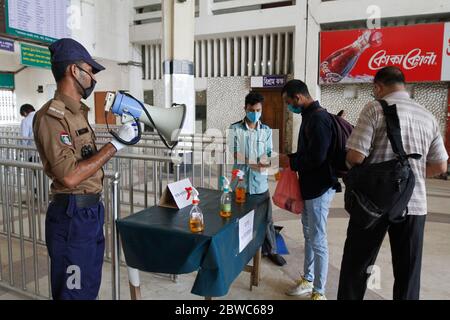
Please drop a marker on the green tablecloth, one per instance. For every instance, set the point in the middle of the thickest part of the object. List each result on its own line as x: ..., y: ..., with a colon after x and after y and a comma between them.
x: 159, y: 240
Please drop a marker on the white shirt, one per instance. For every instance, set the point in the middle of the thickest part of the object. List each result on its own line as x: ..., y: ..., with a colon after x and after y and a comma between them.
x: 26, y: 128
x: 420, y: 134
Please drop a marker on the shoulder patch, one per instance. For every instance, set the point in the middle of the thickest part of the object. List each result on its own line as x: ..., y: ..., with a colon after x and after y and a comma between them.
x: 65, y: 138
x: 56, y: 109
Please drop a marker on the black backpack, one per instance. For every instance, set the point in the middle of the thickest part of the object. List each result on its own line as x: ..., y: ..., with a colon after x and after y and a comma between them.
x: 342, y: 130
x: 382, y: 190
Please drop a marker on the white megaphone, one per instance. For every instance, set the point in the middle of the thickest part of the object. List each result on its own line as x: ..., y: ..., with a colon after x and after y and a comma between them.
x: 166, y: 121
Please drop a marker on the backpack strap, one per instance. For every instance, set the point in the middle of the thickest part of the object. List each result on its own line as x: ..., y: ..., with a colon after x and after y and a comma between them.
x: 394, y: 131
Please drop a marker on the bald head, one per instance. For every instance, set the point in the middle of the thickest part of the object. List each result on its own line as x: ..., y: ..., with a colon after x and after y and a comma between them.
x: 388, y: 80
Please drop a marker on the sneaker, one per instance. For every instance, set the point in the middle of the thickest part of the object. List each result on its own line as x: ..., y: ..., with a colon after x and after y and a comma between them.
x: 318, y: 296
x: 303, y: 287
x: 277, y: 259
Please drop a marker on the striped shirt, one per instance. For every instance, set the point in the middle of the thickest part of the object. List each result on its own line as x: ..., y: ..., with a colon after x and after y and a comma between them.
x: 420, y: 134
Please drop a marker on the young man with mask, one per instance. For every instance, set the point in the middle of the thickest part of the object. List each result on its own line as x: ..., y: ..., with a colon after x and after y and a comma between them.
x: 251, y: 144
x: 318, y: 185
x: 66, y: 145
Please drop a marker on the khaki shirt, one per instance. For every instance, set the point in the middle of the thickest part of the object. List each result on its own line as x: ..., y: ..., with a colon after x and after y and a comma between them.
x: 60, y: 131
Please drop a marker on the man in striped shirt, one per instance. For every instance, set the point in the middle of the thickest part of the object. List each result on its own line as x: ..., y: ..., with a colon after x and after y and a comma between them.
x: 369, y: 143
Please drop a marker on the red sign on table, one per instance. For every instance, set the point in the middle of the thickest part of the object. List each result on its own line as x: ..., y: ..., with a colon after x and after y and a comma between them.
x: 356, y: 55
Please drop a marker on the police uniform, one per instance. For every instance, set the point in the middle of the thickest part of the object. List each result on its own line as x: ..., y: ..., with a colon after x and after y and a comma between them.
x: 75, y: 217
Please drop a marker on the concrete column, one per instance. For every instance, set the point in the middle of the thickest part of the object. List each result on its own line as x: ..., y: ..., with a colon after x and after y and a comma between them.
x: 178, y: 57
x: 306, y: 49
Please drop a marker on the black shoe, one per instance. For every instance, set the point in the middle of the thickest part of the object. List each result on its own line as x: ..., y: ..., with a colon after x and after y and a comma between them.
x: 277, y: 259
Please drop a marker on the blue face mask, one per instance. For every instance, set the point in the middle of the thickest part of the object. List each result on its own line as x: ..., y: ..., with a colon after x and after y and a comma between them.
x: 254, y: 116
x: 298, y: 109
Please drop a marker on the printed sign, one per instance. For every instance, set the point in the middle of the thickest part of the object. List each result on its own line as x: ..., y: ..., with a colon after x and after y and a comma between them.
x: 34, y: 56
x: 6, y: 45
x: 246, y: 230
x: 175, y: 195
x: 268, y: 82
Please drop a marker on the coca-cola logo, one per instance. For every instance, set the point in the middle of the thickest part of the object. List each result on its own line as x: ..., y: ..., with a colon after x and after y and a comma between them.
x: 327, y: 76
x: 409, y: 61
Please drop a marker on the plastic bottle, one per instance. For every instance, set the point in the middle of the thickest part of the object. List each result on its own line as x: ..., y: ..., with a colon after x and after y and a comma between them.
x: 225, y: 199
x: 341, y: 62
x: 196, y: 223
x: 240, y: 188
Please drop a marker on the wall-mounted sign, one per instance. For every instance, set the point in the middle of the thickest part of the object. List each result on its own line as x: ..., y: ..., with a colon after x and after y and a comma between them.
x: 268, y: 82
x: 35, y: 56
x: 6, y: 45
x: 40, y: 20
x: 349, y: 56
x: 6, y: 81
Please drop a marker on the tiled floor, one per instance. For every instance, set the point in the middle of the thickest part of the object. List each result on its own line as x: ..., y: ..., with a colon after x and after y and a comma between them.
x: 275, y: 280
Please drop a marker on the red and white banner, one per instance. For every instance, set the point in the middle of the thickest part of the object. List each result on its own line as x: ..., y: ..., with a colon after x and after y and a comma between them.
x: 421, y: 51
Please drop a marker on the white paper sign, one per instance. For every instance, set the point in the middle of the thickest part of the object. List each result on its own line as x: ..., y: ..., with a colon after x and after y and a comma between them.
x: 246, y: 230
x: 179, y: 193
x: 445, y: 75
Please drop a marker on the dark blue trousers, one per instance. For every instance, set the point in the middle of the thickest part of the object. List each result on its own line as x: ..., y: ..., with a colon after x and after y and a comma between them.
x: 76, y: 244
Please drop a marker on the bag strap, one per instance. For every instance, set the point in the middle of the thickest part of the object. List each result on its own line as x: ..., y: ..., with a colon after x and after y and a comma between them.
x: 393, y: 128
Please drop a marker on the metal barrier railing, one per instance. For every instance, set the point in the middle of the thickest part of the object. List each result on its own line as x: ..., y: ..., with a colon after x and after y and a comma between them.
x: 144, y: 171
x: 24, y: 200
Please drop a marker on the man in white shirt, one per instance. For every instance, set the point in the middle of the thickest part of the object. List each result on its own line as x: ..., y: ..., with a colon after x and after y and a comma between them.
x: 26, y: 126
x: 369, y: 143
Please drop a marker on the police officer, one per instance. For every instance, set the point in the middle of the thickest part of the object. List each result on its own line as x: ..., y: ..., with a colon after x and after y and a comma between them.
x: 66, y: 144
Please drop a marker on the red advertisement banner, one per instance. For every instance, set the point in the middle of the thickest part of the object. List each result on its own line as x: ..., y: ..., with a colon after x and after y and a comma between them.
x: 355, y: 55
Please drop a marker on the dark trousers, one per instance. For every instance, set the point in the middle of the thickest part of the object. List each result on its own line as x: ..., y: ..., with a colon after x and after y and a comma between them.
x: 76, y: 244
x: 361, y: 250
x: 270, y: 241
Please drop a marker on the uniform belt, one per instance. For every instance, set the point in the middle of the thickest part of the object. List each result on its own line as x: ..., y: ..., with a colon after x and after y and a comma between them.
x: 82, y: 200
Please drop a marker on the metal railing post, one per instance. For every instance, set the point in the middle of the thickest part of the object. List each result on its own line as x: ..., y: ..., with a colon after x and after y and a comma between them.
x: 115, y: 245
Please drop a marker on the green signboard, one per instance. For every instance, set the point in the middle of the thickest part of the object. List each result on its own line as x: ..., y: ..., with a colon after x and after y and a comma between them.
x: 34, y: 56
x: 6, y: 81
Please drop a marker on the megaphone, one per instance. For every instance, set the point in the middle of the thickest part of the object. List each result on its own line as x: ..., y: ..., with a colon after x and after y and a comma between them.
x: 166, y: 121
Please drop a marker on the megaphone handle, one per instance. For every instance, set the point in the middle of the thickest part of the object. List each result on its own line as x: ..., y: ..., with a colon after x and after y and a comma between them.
x: 134, y: 140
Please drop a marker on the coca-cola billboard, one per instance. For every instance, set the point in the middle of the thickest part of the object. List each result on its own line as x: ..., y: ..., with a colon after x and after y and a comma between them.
x: 350, y: 56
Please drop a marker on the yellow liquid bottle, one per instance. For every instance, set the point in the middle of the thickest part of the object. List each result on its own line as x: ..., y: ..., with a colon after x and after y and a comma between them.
x: 196, y: 225
x: 240, y: 192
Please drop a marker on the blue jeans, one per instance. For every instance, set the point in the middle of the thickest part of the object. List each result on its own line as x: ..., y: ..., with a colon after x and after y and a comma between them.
x: 314, y: 220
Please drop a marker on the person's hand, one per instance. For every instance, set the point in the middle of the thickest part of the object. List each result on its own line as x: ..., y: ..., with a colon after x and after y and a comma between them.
x: 127, y: 132
x: 265, y: 162
x: 284, y: 161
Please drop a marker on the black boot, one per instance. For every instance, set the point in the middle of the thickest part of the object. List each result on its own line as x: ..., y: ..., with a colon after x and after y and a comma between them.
x: 276, y: 259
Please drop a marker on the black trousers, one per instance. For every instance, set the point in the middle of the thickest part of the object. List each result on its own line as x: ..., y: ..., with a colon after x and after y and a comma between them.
x: 270, y: 241
x: 361, y: 250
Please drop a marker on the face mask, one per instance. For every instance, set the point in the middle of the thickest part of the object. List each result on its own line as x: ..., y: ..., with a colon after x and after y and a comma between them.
x: 86, y: 91
x: 253, y: 116
x: 298, y: 109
